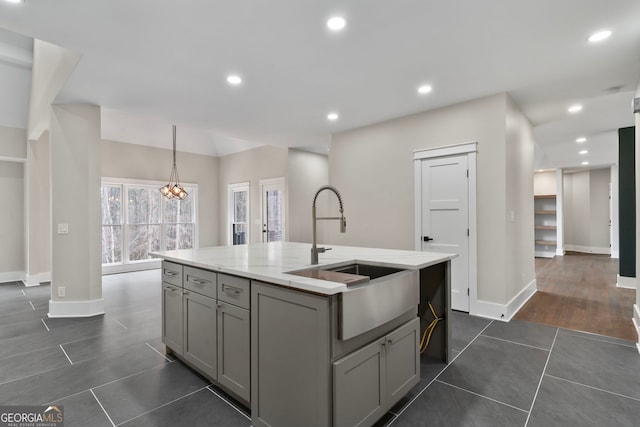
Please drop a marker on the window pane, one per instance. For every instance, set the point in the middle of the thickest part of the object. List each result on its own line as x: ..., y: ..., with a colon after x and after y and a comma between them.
x: 111, y: 244
x: 274, y: 216
x: 143, y: 239
x: 239, y: 234
x: 111, y: 204
x: 144, y: 205
x: 240, y: 206
x: 178, y: 236
x: 176, y: 210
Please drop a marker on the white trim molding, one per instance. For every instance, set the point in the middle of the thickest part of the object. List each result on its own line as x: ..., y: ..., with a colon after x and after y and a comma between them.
x: 626, y: 282
x: 76, y: 308
x: 37, y: 279
x: 12, y: 276
x: 505, y: 312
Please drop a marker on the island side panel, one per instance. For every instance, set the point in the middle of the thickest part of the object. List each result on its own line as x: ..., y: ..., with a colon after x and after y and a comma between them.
x: 435, y: 286
x: 290, y: 369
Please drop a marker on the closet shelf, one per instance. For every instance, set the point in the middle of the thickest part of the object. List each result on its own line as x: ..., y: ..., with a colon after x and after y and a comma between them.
x: 546, y: 242
x: 545, y: 196
x: 544, y: 212
x: 546, y: 227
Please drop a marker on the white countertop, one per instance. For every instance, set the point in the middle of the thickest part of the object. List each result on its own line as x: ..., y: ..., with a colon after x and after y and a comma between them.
x: 270, y: 262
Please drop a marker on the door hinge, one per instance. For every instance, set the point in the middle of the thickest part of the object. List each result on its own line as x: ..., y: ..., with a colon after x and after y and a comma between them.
x: 467, y: 291
x: 467, y: 232
x: 467, y: 173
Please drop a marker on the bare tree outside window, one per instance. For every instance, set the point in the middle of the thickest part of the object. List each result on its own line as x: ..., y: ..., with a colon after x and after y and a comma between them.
x: 111, y: 224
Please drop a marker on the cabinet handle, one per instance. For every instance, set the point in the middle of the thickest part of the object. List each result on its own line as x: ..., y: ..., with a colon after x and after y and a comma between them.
x: 185, y: 293
x: 390, y: 342
x: 235, y: 291
x: 170, y: 273
x: 198, y: 281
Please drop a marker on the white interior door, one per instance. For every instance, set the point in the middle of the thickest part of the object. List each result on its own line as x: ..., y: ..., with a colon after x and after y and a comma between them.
x: 273, y: 208
x: 445, y: 218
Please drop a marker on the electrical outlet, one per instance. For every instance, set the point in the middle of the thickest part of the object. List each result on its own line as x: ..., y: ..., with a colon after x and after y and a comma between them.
x: 636, y: 105
x: 61, y: 291
x: 63, y: 228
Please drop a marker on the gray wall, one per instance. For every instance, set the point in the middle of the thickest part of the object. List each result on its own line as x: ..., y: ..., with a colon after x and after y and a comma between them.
x: 250, y: 166
x: 373, y: 168
x: 307, y: 172
x: 121, y: 160
x: 586, y: 210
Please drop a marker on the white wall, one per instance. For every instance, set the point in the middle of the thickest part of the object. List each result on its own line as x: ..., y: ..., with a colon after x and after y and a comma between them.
x: 372, y: 167
x: 520, y: 235
x: 544, y: 183
x: 249, y: 166
x: 13, y: 153
x: 122, y: 160
x: 586, y: 211
x: 306, y: 173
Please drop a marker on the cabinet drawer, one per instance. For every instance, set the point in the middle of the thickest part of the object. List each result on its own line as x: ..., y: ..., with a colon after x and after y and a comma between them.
x: 172, y: 273
x: 234, y: 290
x: 200, y: 281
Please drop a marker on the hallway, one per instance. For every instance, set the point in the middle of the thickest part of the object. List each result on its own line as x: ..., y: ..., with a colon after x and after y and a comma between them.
x: 578, y: 291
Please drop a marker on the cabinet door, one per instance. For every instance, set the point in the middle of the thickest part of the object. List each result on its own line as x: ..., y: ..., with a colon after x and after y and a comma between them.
x: 234, y: 354
x: 402, y: 360
x: 359, y: 386
x: 200, y: 332
x: 172, y: 317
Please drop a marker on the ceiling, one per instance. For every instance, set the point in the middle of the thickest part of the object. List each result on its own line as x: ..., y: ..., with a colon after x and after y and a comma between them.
x: 152, y: 63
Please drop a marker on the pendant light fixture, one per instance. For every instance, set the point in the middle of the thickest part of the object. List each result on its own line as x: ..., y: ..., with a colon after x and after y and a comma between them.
x: 173, y: 188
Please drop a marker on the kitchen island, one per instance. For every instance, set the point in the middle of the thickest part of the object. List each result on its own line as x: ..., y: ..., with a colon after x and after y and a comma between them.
x: 299, y: 347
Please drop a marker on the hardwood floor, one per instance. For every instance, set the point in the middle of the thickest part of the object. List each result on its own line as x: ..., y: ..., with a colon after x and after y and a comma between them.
x: 578, y: 291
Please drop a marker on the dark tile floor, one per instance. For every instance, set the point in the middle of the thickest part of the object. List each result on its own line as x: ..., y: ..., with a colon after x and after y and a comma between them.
x: 112, y: 370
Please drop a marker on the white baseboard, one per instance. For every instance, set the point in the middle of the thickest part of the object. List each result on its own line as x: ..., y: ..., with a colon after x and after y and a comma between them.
x: 36, y: 279
x: 151, y: 264
x: 588, y: 249
x: 560, y: 252
x: 626, y: 282
x: 504, y: 312
x: 76, y: 308
x: 545, y: 254
x: 521, y: 299
x: 11, y: 276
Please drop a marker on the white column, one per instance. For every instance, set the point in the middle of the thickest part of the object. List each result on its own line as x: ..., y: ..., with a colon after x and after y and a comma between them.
x: 559, y: 212
x: 75, y: 195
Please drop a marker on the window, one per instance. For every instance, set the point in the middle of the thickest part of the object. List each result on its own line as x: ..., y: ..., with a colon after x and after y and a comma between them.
x: 239, y: 213
x: 142, y: 222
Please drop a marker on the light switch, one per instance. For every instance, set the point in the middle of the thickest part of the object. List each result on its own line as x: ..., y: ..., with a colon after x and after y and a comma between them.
x: 63, y: 228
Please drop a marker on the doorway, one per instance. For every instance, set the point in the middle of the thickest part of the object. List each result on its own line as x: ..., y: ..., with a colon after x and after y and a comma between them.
x: 445, y: 185
x: 272, y: 200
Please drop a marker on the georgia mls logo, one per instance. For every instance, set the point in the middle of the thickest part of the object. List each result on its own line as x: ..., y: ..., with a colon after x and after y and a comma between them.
x: 32, y: 416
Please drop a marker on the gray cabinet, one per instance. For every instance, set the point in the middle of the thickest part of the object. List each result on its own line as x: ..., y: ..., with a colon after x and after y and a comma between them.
x: 172, y: 319
x: 369, y: 381
x: 233, y: 349
x: 200, y: 332
x: 290, y: 358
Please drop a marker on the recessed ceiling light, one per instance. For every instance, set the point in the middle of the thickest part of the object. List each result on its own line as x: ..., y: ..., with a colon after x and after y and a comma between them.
x: 584, y: 152
x: 599, y: 36
x: 14, y: 1
x: 584, y: 163
x: 234, y: 80
x: 424, y: 89
x: 336, y: 23
x: 575, y: 108
x: 332, y: 116
x: 581, y: 140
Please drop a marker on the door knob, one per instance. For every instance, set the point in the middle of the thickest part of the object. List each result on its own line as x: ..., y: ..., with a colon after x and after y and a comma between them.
x: 427, y: 238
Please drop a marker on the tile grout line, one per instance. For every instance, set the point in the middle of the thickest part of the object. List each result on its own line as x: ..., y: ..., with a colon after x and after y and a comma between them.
x: 45, y: 325
x: 593, y: 388
x: 23, y: 292
x: 227, y: 402
x: 515, y: 342
x: 120, y: 324
x: 65, y: 353
x: 161, y: 406
x: 535, y: 396
x: 152, y: 348
x: 32, y: 306
x: 103, y: 410
x: 439, y: 373
x: 594, y: 337
x: 483, y: 396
